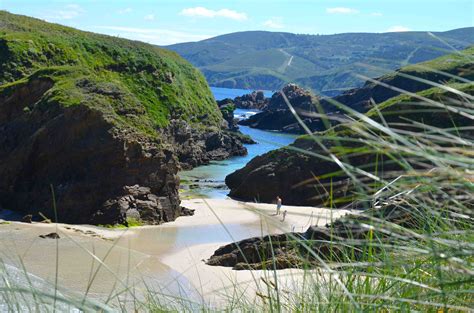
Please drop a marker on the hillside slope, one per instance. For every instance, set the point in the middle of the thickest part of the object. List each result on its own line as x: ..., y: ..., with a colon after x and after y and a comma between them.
x: 451, y: 68
x: 97, y: 122
x: 323, y: 63
x: 431, y: 118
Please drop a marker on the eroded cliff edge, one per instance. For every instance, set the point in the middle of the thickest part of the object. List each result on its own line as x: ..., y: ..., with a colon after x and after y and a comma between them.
x: 93, y: 122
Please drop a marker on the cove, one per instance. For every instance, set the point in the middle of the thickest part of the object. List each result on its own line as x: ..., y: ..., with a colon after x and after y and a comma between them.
x: 207, y: 181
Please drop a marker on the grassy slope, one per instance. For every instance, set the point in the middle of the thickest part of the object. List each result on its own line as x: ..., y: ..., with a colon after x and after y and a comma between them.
x: 401, y: 113
x: 137, y: 84
x: 320, y: 62
x: 452, y: 68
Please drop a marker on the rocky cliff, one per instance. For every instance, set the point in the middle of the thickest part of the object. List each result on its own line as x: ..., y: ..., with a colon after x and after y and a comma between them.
x: 255, y: 100
x: 306, y: 172
x: 100, y: 125
x: 195, y: 147
x: 278, y: 116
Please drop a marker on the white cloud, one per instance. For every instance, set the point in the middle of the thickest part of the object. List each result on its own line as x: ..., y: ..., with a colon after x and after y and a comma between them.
x: 156, y: 36
x: 149, y: 17
x: 203, y: 12
x: 341, y: 10
x: 274, y: 23
x: 68, y: 12
x: 398, y: 28
x: 376, y: 14
x: 125, y: 11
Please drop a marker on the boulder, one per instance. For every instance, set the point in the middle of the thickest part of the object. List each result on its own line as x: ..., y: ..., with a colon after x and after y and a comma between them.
x: 50, y: 236
x: 298, y: 97
x: 27, y: 219
x: 254, y: 101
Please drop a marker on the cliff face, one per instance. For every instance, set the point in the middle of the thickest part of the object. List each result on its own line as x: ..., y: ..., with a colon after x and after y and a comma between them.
x: 195, y: 147
x: 95, y: 119
x: 79, y: 154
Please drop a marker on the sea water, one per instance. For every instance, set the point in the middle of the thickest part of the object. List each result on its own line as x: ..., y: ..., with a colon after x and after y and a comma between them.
x: 207, y: 181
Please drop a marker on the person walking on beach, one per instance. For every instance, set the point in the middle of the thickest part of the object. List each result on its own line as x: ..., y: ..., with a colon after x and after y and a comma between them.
x: 284, y: 215
x: 278, y: 205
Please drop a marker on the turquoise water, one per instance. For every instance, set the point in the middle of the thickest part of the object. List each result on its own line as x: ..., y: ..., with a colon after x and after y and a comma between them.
x: 208, y: 180
x: 222, y: 93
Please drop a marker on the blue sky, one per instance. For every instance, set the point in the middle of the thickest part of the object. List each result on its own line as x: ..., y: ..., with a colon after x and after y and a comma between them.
x: 166, y: 21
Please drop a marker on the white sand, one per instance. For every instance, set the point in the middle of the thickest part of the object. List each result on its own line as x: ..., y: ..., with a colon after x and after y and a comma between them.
x: 215, y: 283
x: 161, y: 253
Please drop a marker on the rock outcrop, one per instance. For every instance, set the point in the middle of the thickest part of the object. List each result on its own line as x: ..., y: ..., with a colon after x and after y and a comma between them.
x: 93, y: 129
x: 50, y: 236
x: 305, y: 173
x: 253, y: 101
x: 278, y: 116
x: 298, y: 97
x: 195, y: 147
x: 227, y: 109
x: 81, y: 157
x: 350, y: 238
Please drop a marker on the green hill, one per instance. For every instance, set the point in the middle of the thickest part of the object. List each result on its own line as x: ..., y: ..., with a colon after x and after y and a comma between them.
x: 140, y: 71
x: 99, y: 124
x: 325, y: 63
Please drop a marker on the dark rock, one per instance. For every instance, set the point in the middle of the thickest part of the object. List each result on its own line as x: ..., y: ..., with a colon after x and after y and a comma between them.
x: 258, y: 253
x: 98, y: 172
x: 330, y: 243
x: 255, y: 100
x: 137, y: 191
x: 194, y: 147
x: 187, y: 212
x: 50, y: 236
x: 284, y: 121
x: 299, y: 98
x: 278, y: 116
x: 27, y: 218
x: 82, y: 156
x: 224, y: 102
x: 227, y: 111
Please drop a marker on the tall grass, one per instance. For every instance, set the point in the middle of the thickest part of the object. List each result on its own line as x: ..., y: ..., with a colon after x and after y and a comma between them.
x: 417, y: 251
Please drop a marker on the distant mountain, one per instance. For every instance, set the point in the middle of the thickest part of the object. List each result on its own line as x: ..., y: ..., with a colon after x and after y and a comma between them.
x: 324, y: 63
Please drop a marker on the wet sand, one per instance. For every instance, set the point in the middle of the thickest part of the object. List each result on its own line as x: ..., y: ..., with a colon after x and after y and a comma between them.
x: 169, y: 258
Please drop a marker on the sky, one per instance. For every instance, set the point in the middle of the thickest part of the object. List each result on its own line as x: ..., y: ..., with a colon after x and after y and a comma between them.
x: 165, y: 22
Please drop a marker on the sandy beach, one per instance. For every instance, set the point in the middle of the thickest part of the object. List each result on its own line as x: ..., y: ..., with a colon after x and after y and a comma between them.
x: 171, y: 256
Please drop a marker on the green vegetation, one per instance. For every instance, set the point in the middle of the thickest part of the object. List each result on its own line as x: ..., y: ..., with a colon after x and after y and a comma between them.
x: 135, y: 84
x: 416, y: 252
x: 326, y: 63
x: 131, y: 222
